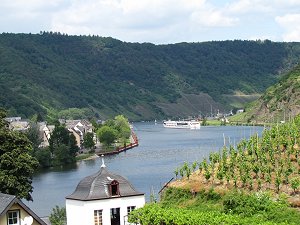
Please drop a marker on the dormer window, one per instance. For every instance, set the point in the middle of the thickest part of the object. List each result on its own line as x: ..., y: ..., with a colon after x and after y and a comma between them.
x: 114, y: 188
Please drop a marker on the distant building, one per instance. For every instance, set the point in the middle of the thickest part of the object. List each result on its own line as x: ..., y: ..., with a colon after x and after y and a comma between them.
x: 102, y: 198
x: 45, y: 133
x: 17, y: 124
x: 14, y: 212
x: 78, y: 128
x: 239, y: 111
x: 13, y: 119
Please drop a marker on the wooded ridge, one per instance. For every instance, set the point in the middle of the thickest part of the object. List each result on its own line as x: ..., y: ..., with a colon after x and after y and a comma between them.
x: 73, y: 76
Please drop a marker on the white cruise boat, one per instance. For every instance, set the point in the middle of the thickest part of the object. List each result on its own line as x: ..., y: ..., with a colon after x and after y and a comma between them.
x: 187, y: 124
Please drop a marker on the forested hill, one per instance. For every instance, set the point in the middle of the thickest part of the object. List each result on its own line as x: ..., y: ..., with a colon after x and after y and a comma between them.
x: 280, y: 102
x: 52, y: 74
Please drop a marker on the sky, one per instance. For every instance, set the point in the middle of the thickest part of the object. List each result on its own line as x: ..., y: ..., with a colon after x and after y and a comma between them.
x: 156, y: 21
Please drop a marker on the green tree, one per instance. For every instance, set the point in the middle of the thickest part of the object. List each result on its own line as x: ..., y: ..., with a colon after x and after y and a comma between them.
x: 58, y: 216
x: 63, y: 146
x: 88, y: 140
x: 121, y: 124
x: 33, y: 134
x: 107, y: 135
x: 16, y: 163
x: 43, y: 155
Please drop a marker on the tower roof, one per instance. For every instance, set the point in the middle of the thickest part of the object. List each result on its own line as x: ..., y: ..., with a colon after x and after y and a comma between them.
x: 98, y: 186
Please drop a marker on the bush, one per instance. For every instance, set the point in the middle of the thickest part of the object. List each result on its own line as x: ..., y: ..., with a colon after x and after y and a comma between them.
x: 58, y: 216
x: 247, y: 204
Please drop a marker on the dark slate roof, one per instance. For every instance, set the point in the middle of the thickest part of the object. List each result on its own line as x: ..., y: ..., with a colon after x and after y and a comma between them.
x: 6, y: 201
x: 96, y: 187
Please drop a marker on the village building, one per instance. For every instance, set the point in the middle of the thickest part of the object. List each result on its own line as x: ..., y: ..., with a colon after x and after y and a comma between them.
x: 78, y: 128
x: 45, y: 133
x: 102, y: 198
x: 17, y: 124
x: 14, y: 212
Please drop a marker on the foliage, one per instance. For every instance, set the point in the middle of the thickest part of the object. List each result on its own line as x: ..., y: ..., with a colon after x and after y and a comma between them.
x: 122, y: 127
x: 266, y: 163
x: 43, y: 155
x: 180, y: 206
x: 88, y: 140
x: 269, y: 162
x: 16, y: 163
x: 154, y: 214
x: 246, y: 205
x: 107, y: 135
x: 295, y: 183
x: 53, y: 74
x: 63, y: 146
x: 58, y: 216
x: 116, y: 130
x: 33, y: 134
x: 278, y: 102
x: 84, y: 156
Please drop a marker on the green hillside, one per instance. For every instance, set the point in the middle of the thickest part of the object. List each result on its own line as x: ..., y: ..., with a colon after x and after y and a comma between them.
x: 62, y: 76
x: 280, y: 102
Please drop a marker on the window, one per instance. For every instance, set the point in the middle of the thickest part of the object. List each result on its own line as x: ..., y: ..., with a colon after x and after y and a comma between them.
x: 13, y: 217
x: 98, y: 217
x: 114, y: 188
x: 130, y: 209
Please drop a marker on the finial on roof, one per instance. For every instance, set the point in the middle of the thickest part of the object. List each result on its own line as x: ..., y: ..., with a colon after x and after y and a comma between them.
x: 103, y: 165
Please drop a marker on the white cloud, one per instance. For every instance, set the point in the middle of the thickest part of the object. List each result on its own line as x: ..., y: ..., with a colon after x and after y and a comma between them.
x: 246, y: 6
x: 158, y: 21
x: 139, y: 20
x: 290, y: 23
x: 213, y: 18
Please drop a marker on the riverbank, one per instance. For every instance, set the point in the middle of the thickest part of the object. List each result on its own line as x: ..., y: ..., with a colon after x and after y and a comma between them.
x: 100, y: 151
x: 233, y: 123
x: 86, y: 156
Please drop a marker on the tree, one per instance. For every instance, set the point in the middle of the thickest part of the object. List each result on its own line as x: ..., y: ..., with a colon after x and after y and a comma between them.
x: 88, y: 140
x: 63, y: 146
x: 58, y: 216
x: 33, y: 134
x: 59, y: 136
x: 43, y: 155
x: 16, y: 163
x: 121, y: 125
x: 107, y: 135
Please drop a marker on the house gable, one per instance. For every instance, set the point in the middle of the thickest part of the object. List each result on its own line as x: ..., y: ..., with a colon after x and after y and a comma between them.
x: 9, y: 203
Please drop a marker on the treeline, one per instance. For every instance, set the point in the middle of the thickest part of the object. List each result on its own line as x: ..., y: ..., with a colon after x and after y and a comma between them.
x: 51, y: 72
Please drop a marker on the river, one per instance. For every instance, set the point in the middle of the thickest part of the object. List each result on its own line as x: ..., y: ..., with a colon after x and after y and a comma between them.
x: 148, y: 167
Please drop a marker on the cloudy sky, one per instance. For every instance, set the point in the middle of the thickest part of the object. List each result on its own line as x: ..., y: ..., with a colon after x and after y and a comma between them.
x: 156, y: 21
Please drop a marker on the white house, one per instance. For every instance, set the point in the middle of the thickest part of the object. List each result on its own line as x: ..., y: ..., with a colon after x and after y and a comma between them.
x: 103, y: 198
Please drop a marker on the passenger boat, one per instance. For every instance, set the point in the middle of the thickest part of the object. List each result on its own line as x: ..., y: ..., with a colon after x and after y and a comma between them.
x: 187, y: 124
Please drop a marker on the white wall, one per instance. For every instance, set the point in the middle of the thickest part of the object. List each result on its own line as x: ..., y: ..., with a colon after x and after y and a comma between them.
x: 82, y: 212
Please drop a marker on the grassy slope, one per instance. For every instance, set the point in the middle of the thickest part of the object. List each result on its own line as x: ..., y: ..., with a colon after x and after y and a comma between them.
x: 280, y: 102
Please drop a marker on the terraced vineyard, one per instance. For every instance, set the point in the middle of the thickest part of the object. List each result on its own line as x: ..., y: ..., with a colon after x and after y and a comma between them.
x: 256, y: 182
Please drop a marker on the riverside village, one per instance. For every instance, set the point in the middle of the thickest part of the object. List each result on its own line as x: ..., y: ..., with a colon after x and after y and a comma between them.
x: 100, y: 198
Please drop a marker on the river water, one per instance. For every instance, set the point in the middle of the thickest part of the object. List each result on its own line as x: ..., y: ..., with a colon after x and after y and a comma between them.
x: 148, y: 167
